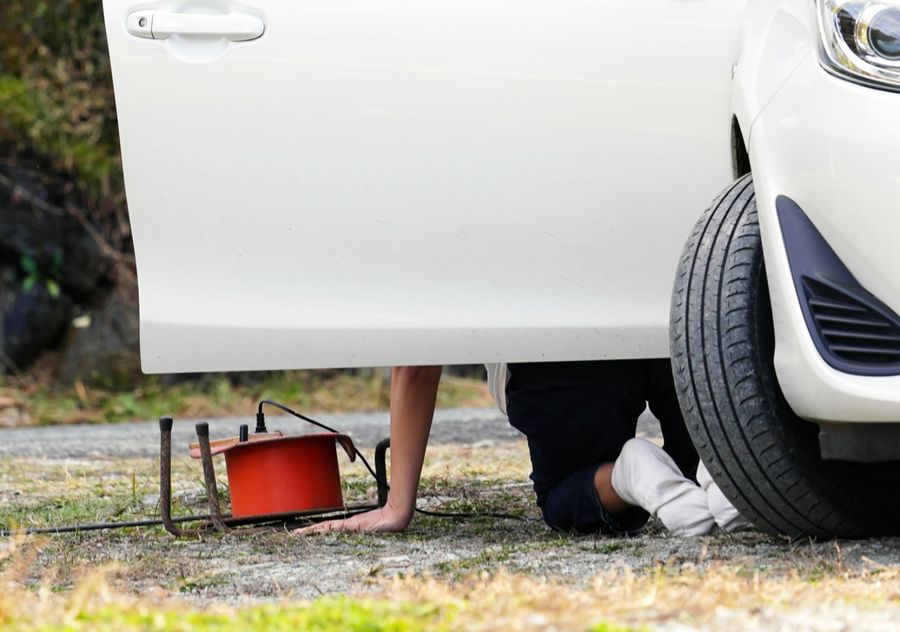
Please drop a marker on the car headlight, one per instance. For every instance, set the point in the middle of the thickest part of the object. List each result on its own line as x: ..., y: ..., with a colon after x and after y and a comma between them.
x: 861, y: 40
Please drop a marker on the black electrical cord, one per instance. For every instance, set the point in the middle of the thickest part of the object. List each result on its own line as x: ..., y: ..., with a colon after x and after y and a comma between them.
x: 472, y: 514
x: 261, y: 425
x: 97, y: 526
x: 155, y: 522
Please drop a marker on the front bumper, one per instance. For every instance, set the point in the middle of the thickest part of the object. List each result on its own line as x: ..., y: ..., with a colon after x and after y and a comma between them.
x: 832, y: 147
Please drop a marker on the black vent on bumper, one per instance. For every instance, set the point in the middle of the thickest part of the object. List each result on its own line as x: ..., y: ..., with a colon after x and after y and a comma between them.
x: 853, y: 330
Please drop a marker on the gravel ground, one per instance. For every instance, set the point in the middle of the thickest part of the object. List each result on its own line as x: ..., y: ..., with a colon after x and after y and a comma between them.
x: 141, y: 439
x: 476, y: 458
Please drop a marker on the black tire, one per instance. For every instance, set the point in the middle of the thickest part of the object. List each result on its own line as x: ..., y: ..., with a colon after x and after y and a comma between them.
x: 764, y: 458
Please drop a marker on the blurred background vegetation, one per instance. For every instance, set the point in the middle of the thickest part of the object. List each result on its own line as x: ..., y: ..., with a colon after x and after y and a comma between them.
x: 57, y: 106
x: 68, y: 292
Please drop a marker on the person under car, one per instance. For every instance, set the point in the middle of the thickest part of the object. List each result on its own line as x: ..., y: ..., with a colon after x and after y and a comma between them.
x: 590, y: 473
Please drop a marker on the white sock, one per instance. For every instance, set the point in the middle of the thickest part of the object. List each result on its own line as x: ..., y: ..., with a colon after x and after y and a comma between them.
x: 725, y: 514
x: 644, y: 475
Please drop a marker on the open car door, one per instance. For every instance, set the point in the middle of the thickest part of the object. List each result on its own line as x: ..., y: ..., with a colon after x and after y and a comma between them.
x: 326, y: 183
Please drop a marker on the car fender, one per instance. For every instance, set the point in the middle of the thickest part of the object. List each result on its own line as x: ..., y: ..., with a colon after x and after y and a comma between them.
x: 776, y: 35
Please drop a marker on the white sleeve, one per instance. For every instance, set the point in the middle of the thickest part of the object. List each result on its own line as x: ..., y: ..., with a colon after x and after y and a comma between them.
x: 498, y: 376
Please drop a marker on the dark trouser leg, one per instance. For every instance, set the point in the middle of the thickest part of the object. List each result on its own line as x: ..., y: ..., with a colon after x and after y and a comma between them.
x: 576, y: 416
x: 660, y: 393
x: 572, y: 505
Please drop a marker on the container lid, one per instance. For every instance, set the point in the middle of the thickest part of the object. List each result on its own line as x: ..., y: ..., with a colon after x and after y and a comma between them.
x: 220, y: 446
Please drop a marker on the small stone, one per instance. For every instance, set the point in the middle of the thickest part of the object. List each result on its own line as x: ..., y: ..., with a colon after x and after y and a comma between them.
x: 396, y: 561
x: 189, y: 497
x: 537, y: 620
x: 82, y: 322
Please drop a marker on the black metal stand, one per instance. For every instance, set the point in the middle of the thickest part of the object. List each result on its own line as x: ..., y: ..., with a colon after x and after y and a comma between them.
x: 381, y: 470
x: 225, y: 523
x: 165, y: 480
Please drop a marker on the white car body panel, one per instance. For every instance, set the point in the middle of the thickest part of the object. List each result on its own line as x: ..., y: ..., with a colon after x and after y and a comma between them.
x: 407, y: 182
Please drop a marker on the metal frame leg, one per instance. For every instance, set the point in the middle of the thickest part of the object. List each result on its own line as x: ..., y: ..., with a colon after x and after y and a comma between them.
x: 381, y: 470
x: 165, y: 480
x: 209, y: 477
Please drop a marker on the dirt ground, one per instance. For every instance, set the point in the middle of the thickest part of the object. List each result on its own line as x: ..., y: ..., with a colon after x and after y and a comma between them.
x: 476, y: 464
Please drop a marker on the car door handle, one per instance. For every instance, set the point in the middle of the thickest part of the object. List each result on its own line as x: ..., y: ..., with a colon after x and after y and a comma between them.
x: 235, y: 27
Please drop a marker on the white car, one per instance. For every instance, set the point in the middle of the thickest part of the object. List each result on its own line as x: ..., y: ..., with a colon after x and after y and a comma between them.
x: 332, y: 183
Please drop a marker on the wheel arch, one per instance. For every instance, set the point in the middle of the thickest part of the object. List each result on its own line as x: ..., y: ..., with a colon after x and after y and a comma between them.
x: 740, y: 157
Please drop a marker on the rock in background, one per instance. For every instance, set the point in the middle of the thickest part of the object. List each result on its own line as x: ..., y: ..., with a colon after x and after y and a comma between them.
x: 102, y: 345
x: 53, y: 272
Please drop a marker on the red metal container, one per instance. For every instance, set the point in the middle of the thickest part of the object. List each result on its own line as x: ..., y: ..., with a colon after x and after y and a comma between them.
x: 285, y: 475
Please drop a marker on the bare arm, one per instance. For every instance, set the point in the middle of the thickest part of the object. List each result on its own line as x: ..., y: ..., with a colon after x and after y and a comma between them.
x: 413, y: 397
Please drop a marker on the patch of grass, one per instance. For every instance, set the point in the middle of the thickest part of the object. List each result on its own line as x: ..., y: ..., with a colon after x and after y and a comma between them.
x: 606, y: 547
x: 717, y: 597
x: 488, y: 559
x: 500, y: 602
x: 41, y: 493
x: 199, y: 583
x: 358, y: 489
x: 216, y: 396
x: 507, y: 461
x: 92, y: 607
x: 64, y: 511
x: 332, y: 613
x: 478, y: 505
x: 56, y: 95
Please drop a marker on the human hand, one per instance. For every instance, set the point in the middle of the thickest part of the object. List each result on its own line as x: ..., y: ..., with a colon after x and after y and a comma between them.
x: 385, y: 519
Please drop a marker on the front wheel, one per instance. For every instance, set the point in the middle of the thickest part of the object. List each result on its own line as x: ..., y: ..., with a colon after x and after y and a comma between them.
x: 765, y: 458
